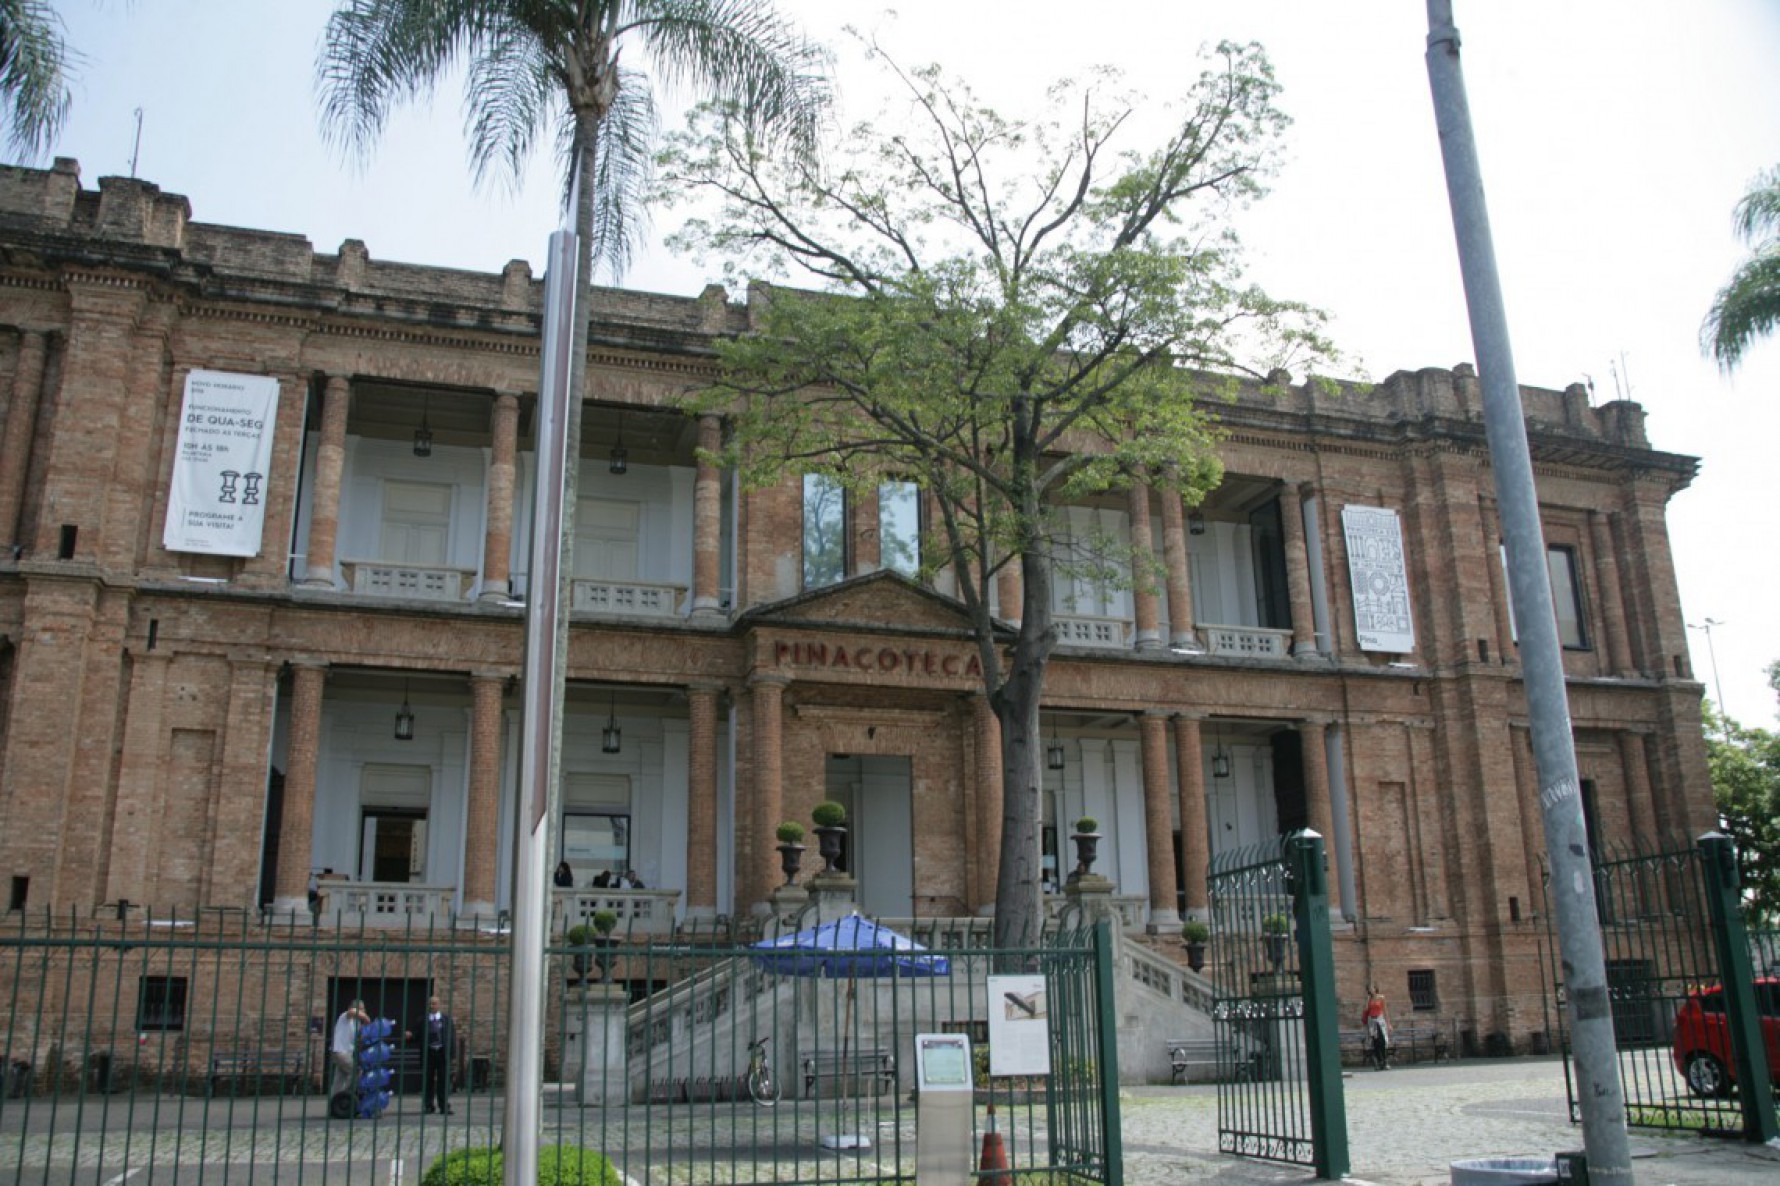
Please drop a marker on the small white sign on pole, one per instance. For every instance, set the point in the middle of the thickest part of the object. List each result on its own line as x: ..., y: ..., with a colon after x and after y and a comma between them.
x: 1382, y: 621
x: 217, y: 499
x: 1019, y: 1026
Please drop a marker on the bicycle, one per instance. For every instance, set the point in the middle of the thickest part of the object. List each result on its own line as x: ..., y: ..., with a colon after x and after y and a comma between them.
x: 763, y: 1087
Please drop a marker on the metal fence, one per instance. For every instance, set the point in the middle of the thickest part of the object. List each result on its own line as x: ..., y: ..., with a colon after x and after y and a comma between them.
x: 197, y: 1049
x: 1674, y: 979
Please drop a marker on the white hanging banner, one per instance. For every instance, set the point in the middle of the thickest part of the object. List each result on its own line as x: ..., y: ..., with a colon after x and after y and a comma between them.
x: 1380, y: 579
x: 1019, y: 1025
x: 217, y: 499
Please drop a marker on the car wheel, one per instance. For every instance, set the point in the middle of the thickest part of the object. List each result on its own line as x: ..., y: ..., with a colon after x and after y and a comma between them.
x: 1706, y: 1076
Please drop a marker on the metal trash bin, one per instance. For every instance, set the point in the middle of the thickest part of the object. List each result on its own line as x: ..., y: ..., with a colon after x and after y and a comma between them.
x: 1504, y: 1171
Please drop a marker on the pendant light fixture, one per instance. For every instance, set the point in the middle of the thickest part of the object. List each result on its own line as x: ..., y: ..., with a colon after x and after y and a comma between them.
x: 1195, y: 522
x: 620, y: 455
x: 1220, y: 758
x: 611, y: 739
x: 1054, y: 751
x: 423, y: 436
x: 404, y: 717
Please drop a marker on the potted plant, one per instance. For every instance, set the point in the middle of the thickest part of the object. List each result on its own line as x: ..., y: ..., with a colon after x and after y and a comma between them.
x: 831, y: 829
x: 1274, y: 929
x: 581, y: 936
x: 1195, y: 934
x: 1087, y: 845
x: 791, y: 849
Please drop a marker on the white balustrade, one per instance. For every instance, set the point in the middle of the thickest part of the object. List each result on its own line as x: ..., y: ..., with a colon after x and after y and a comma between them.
x: 643, y: 599
x: 422, y: 582
x: 386, y: 903
x: 1077, y: 630
x: 639, y: 911
x: 1254, y: 642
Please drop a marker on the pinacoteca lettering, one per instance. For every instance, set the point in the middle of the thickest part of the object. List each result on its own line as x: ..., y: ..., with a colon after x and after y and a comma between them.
x: 884, y: 660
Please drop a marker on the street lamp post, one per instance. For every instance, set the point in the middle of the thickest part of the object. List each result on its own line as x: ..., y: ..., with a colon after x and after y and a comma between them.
x: 1705, y: 626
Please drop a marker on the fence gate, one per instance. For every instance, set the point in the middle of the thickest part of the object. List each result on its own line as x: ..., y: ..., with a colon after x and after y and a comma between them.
x: 1272, y: 965
x: 1682, y: 988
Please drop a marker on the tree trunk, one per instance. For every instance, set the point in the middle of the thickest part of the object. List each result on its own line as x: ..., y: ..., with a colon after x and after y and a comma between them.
x: 1019, y: 906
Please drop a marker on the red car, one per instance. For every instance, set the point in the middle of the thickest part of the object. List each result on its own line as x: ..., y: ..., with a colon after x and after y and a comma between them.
x: 1703, y: 1043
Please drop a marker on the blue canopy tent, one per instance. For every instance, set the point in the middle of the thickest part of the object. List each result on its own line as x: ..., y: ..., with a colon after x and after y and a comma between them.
x: 851, y: 948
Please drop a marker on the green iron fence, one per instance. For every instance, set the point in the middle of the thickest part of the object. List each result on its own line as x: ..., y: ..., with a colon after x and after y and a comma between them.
x: 1684, y: 1001
x: 196, y: 1049
x: 1272, y: 966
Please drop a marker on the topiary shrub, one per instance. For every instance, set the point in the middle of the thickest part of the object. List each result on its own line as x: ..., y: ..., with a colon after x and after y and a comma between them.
x: 604, y: 921
x: 1194, y: 931
x: 1087, y: 826
x: 558, y: 1165
x: 829, y: 814
x: 790, y: 832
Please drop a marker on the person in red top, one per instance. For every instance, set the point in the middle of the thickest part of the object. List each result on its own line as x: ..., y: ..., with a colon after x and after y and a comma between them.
x: 1377, y: 1024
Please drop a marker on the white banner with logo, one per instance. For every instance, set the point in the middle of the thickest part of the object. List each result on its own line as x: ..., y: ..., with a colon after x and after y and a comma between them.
x: 1380, y: 579
x: 217, y: 500
x: 1019, y: 1025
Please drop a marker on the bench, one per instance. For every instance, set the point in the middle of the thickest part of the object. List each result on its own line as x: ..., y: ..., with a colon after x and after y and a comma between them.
x: 869, y: 1071
x: 1185, y: 1054
x: 289, y: 1067
x: 1409, y: 1043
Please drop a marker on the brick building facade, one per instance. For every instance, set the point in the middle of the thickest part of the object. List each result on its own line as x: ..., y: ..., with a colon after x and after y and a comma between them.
x: 200, y: 730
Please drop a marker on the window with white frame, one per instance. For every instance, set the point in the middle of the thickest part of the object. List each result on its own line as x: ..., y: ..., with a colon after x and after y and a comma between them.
x: 899, y: 527
x: 1566, y: 597
x: 416, y: 523
x: 824, y: 531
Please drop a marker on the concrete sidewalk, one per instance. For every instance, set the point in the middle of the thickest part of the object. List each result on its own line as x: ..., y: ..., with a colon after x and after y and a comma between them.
x: 1407, y: 1125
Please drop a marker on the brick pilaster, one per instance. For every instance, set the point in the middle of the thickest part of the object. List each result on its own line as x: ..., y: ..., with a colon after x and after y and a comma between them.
x: 1010, y: 590
x: 21, y: 429
x: 767, y: 691
x: 1195, y: 847
x: 497, y: 544
x: 1317, y: 804
x: 985, y: 863
x: 707, y: 523
x: 1506, y: 647
x: 324, y: 513
x: 1291, y: 518
x: 1180, y: 588
x: 1611, y: 595
x: 1158, y: 821
x: 231, y: 872
x: 1143, y: 553
x: 297, y: 823
x: 482, y: 818
x: 701, y: 801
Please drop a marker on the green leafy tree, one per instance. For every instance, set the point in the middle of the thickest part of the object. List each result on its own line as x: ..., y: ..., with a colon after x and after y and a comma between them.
x: 34, y: 66
x: 1015, y: 315
x: 1748, y: 307
x: 1745, y: 766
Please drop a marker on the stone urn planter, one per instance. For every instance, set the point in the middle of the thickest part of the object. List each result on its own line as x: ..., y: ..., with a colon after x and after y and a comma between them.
x: 1194, y: 935
x: 1086, y: 839
x: 831, y: 833
x: 791, y: 850
x: 1275, y: 930
x: 597, y: 937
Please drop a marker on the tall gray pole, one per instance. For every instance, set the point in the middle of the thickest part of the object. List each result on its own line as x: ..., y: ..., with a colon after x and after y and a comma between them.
x: 540, y: 753
x: 1542, y: 665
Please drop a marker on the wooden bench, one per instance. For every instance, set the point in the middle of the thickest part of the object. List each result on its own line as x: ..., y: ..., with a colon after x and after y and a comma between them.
x: 1185, y: 1054
x: 871, y: 1071
x: 251, y: 1064
x: 1409, y: 1043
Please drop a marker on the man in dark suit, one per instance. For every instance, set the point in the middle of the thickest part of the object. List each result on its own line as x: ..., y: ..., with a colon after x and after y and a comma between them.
x: 438, y: 1043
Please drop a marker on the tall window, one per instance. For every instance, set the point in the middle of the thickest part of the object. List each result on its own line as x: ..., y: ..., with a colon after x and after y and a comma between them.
x: 1424, y: 996
x: 824, y: 531
x: 1566, y: 597
x: 899, y: 527
x: 160, y: 1003
x: 416, y: 522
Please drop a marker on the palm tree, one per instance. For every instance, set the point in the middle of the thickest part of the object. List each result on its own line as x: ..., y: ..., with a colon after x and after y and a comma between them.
x: 1749, y: 306
x: 34, y: 65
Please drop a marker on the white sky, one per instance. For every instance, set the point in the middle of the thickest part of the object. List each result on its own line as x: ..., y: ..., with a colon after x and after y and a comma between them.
x: 1615, y: 136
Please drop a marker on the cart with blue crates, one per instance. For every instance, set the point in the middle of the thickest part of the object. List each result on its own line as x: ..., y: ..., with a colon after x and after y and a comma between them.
x: 371, y: 1061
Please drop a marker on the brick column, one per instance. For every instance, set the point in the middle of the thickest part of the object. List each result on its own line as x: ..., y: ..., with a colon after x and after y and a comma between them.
x: 761, y: 877
x: 1010, y: 589
x: 1618, y: 656
x: 482, y: 818
x: 701, y: 802
x: 497, y: 544
x: 1180, y: 589
x: 707, y: 524
x: 1195, y: 848
x: 985, y: 863
x: 1158, y: 822
x: 1641, y: 809
x: 1143, y: 552
x: 21, y: 427
x: 296, y: 825
x: 1291, y: 518
x: 330, y: 460
x: 1318, y: 808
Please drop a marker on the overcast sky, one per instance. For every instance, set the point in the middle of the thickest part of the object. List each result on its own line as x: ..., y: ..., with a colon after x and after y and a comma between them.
x: 1615, y: 138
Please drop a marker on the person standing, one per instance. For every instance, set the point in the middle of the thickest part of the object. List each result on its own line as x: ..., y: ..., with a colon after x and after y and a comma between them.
x: 440, y: 1042
x: 1377, y: 1023
x: 343, y: 1049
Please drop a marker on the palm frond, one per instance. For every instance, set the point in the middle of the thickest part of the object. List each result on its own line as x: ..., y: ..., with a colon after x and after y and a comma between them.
x: 34, y: 66
x: 1757, y: 216
x: 1746, y: 308
x: 511, y: 94
x: 624, y: 167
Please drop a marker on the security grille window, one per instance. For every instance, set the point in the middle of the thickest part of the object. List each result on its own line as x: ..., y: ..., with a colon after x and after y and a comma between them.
x: 1423, y: 997
x: 1566, y: 597
x: 160, y: 1003
x: 899, y: 527
x: 824, y: 531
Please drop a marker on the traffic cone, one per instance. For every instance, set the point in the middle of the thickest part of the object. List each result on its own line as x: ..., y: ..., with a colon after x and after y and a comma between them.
x: 994, y: 1153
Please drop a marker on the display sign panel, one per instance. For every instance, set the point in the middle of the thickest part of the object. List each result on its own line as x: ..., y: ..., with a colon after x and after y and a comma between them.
x: 1380, y: 579
x: 1019, y: 1026
x: 217, y: 500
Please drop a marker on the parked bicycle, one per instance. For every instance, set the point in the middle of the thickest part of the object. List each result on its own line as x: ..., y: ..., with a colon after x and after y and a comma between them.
x: 763, y: 1087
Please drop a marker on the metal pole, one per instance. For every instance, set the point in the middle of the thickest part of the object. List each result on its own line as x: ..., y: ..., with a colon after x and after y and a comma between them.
x: 1712, y: 654
x: 1566, y: 841
x: 540, y: 753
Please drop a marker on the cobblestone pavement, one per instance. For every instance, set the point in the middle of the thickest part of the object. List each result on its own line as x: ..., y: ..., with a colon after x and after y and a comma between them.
x: 1405, y: 1127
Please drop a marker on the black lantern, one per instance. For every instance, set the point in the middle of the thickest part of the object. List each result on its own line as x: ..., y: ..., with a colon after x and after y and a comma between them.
x: 404, y: 717
x: 620, y: 455
x: 423, y: 436
x: 1054, y: 751
x: 611, y: 739
x: 1220, y: 759
x: 1196, y: 522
